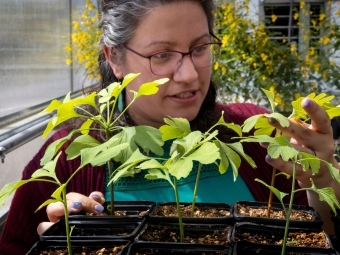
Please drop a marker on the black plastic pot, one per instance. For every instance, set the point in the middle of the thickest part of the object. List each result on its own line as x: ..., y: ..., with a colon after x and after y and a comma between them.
x: 223, y: 208
x: 269, y: 232
x: 78, y: 246
x: 169, y: 232
x: 95, y: 230
x: 128, y: 209
x: 177, y: 249
x: 315, y: 222
x: 242, y: 248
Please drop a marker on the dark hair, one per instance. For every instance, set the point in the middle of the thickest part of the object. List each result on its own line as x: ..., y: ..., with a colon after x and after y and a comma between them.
x: 118, y: 23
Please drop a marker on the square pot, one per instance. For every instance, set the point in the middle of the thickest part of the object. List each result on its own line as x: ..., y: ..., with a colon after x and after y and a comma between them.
x: 223, y: 211
x: 216, y: 234
x: 95, y: 230
x: 311, y: 217
x: 270, y: 238
x: 177, y: 249
x: 126, y: 210
x: 120, y: 247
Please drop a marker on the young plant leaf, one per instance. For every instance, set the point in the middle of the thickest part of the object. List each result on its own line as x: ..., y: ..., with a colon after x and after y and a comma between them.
x: 175, y: 128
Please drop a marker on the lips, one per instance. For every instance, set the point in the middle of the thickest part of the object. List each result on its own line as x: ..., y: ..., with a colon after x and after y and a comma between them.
x: 185, y: 95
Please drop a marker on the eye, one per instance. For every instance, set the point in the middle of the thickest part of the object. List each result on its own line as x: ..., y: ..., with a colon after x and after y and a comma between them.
x: 163, y: 55
x: 201, y: 49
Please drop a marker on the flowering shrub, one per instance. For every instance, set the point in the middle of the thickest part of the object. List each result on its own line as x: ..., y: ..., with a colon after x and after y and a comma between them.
x: 85, y: 39
x: 250, y: 60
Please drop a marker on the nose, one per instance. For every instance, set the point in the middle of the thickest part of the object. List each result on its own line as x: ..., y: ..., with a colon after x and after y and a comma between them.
x: 186, y: 71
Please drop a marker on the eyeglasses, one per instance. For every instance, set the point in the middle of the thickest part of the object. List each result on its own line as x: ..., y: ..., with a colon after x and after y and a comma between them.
x: 167, y: 62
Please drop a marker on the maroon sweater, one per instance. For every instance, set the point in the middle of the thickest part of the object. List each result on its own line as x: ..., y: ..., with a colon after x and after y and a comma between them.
x: 20, y: 231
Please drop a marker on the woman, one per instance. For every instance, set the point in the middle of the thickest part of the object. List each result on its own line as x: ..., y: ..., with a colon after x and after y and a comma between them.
x: 137, y: 36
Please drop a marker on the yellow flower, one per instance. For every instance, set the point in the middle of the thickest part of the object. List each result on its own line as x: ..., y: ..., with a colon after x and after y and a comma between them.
x: 296, y: 16
x: 264, y: 78
x: 274, y: 18
x: 216, y: 66
x: 322, y: 16
x: 68, y: 61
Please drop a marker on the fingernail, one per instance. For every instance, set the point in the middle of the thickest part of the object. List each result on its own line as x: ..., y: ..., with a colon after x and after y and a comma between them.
x: 95, y: 196
x: 269, y: 158
x: 272, y: 121
x: 99, y: 208
x: 306, y: 103
x: 76, y: 205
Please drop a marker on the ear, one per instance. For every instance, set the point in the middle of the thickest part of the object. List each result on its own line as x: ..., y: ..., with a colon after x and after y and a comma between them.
x: 110, y: 55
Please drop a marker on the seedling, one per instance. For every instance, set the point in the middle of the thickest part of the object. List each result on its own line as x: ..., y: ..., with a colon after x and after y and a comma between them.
x: 280, y: 146
x: 98, y: 111
x: 188, y: 146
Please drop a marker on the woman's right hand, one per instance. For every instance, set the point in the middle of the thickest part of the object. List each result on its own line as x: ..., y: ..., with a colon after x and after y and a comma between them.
x: 75, y: 203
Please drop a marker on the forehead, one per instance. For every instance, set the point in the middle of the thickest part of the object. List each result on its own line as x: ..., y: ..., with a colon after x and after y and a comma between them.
x: 176, y: 23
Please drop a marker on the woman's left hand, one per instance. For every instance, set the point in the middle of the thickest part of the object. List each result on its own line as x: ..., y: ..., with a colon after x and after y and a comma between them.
x: 314, y: 138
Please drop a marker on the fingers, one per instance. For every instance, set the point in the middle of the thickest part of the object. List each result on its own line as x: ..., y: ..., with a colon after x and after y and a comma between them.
x: 287, y: 167
x: 75, y: 203
x: 320, y: 120
x: 43, y: 226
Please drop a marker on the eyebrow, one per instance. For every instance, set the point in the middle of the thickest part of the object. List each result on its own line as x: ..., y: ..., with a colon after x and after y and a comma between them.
x: 171, y: 43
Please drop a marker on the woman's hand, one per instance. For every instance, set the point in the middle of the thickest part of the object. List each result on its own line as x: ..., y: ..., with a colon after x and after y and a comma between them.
x: 75, y: 203
x: 314, y: 137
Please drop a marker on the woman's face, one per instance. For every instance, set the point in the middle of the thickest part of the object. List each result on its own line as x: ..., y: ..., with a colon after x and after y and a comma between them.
x: 178, y: 27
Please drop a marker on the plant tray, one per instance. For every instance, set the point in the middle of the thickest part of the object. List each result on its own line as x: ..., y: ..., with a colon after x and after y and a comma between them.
x: 271, y: 238
x: 113, y: 247
x: 177, y: 249
x: 311, y: 217
x: 223, y: 212
x: 94, y: 230
x: 123, y: 209
x: 216, y: 234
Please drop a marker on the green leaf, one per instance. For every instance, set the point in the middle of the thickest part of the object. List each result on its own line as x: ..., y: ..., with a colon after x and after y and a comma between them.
x: 52, y: 149
x: 150, y: 88
x: 206, y: 154
x: 9, y: 188
x: 81, y: 142
x: 175, y: 128
x: 180, y: 168
x: 250, y: 123
x: 154, y: 174
x: 236, y: 128
x: 188, y: 142
x: 308, y: 161
x: 48, y: 170
x: 87, y: 156
x: 47, y: 202
x: 263, y: 127
x: 149, y: 139
x: 285, y: 152
x: 280, y: 195
x: 271, y: 97
x: 284, y: 122
x: 327, y: 195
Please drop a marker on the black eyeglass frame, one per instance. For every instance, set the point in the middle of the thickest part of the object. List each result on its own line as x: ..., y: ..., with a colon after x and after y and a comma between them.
x: 183, y: 53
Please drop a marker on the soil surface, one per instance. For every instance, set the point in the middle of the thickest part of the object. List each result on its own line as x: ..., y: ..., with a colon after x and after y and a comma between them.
x: 201, y: 212
x: 274, y: 213
x: 305, y: 239
x: 150, y: 252
x: 81, y: 251
x: 196, y: 234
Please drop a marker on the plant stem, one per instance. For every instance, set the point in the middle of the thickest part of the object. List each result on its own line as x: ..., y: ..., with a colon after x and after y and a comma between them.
x: 284, y: 244
x: 195, y: 190
x: 111, y: 189
x: 271, y: 193
x: 67, y: 226
x: 181, y: 228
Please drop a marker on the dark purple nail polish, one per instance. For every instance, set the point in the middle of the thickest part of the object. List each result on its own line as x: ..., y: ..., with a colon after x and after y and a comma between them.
x: 269, y: 158
x: 306, y: 103
x: 76, y: 205
x: 272, y: 121
x: 99, y: 208
x: 95, y: 196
